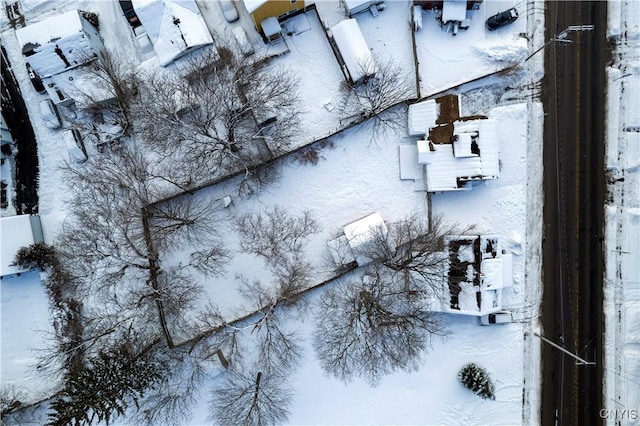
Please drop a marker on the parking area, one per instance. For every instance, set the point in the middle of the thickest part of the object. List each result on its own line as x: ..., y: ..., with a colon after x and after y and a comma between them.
x: 472, y: 53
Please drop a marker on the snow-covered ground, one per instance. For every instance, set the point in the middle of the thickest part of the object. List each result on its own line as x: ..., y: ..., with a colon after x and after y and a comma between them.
x: 622, y: 231
x: 445, y: 61
x: 356, y: 177
x: 25, y: 330
x: 353, y: 178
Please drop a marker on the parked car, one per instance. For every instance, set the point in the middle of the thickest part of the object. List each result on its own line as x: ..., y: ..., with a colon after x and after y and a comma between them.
x: 36, y: 81
x: 243, y: 41
x: 49, y: 114
x: 502, y: 317
x: 229, y: 10
x: 501, y: 19
x: 143, y: 39
x: 75, y: 146
x: 129, y: 13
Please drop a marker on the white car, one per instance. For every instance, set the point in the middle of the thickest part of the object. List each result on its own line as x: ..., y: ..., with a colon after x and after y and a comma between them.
x: 242, y: 40
x: 229, y: 10
x: 75, y: 146
x: 49, y: 114
x: 501, y: 317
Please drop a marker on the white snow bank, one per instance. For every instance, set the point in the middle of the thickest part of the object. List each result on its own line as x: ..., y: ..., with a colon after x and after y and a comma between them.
x: 511, y: 53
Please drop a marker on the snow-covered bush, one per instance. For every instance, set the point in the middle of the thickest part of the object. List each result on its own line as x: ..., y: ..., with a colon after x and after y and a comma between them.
x: 477, y: 379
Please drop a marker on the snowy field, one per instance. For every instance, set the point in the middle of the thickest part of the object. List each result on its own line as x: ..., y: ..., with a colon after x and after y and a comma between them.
x: 354, y: 178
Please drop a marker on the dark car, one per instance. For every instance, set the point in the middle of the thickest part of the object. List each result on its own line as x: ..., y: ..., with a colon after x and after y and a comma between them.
x: 501, y: 19
x: 35, y: 79
x: 129, y: 13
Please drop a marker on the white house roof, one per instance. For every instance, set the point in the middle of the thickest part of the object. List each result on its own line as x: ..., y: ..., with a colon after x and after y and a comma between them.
x: 55, y: 38
x: 444, y: 168
x: 454, y: 10
x: 360, y: 232
x: 353, y: 49
x: 15, y: 233
x: 253, y: 5
x: 173, y: 26
x: 422, y: 116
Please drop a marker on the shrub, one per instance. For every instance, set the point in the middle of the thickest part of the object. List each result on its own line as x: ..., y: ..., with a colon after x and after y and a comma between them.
x: 36, y: 256
x: 477, y: 379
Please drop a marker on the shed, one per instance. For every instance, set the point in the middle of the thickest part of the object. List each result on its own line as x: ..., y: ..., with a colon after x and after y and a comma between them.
x: 361, y: 232
x: 175, y: 27
x: 353, y: 50
x: 17, y: 232
x: 59, y: 43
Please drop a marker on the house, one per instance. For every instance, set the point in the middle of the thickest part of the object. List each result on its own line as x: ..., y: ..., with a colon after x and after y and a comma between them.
x: 261, y: 10
x: 354, y: 54
x: 57, y: 46
x: 454, y: 151
x: 175, y: 27
x: 17, y: 232
x: 357, y: 236
x: 475, y: 275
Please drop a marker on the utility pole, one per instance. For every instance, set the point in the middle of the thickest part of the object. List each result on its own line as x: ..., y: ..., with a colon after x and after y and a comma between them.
x: 580, y: 360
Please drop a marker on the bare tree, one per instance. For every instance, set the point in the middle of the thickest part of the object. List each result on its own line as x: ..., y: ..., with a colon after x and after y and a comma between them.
x: 229, y: 113
x: 412, y: 251
x: 246, y: 399
x: 274, y: 233
x: 183, y: 220
x: 110, y: 88
x: 173, y: 397
x: 371, y: 327
x: 372, y: 98
x: 380, y: 323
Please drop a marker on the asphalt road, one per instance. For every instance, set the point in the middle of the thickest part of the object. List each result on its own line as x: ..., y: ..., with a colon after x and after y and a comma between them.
x: 574, y: 186
x: 16, y: 116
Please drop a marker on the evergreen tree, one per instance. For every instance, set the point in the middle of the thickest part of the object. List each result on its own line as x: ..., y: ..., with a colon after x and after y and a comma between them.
x: 35, y: 256
x: 104, y: 389
x: 477, y: 379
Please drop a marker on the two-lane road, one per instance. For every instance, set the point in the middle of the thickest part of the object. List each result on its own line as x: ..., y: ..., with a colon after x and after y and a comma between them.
x: 574, y: 185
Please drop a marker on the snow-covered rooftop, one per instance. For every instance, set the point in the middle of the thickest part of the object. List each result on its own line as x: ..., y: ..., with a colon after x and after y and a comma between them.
x: 57, y: 43
x: 173, y: 26
x: 15, y: 232
x: 454, y: 10
x: 422, y: 116
x: 474, y: 155
x: 353, y: 49
x: 477, y: 273
x: 253, y: 5
x: 360, y: 232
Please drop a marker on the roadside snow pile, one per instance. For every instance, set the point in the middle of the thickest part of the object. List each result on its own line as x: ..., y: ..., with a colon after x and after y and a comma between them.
x: 505, y: 53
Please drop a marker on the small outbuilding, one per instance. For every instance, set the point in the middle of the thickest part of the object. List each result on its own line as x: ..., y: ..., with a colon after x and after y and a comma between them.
x: 17, y: 232
x: 175, y: 27
x: 354, y: 53
x: 357, y: 237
